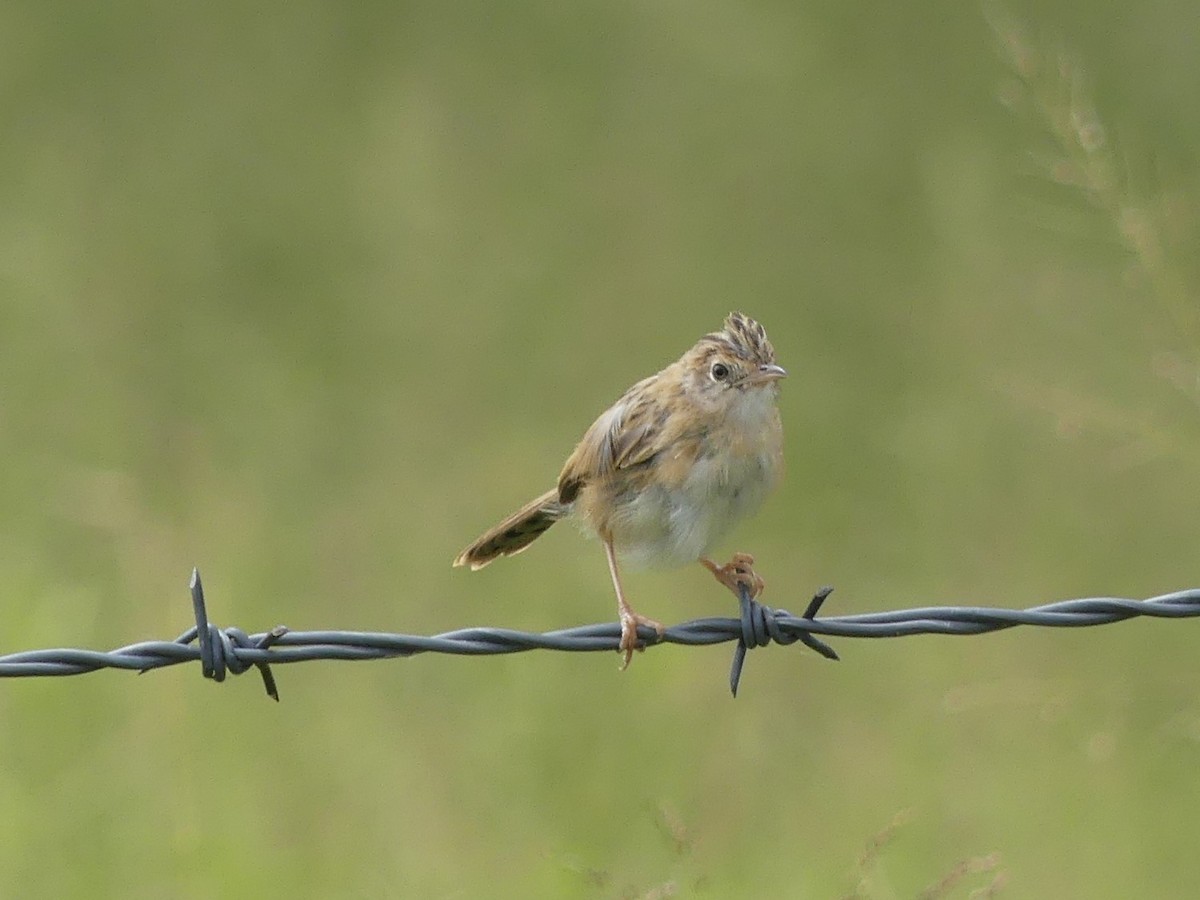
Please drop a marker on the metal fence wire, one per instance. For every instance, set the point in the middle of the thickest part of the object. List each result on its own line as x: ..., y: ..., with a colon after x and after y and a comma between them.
x: 223, y: 651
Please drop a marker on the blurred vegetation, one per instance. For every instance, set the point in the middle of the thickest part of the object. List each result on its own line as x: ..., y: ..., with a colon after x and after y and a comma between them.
x: 309, y: 295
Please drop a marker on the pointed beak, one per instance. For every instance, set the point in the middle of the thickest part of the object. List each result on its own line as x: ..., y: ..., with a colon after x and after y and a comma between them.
x: 769, y: 373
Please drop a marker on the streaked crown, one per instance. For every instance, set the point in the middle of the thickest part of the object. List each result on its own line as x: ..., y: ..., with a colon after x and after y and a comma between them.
x: 742, y: 338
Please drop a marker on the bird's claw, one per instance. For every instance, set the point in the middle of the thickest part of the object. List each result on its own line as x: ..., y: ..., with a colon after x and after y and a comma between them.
x: 629, y: 636
x: 736, y: 574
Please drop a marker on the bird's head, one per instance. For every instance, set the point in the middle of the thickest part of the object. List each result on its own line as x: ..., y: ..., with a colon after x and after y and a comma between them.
x: 734, y: 366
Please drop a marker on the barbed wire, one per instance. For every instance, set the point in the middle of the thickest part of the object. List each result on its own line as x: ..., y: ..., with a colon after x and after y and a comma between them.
x: 224, y: 651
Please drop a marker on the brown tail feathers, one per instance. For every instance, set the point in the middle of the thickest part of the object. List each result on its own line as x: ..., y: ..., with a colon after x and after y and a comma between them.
x: 515, y: 533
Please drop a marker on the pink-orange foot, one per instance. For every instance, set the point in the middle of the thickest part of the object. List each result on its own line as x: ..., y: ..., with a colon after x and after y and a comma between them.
x: 737, y: 572
x: 629, y: 637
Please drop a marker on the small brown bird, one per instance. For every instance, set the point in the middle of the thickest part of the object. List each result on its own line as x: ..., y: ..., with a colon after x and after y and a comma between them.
x: 667, y: 469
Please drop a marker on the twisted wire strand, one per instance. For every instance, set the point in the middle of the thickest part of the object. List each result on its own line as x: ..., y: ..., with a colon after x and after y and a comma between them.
x: 223, y: 651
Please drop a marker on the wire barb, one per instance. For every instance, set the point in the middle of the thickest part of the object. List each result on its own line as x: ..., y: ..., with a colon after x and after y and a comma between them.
x: 760, y: 625
x: 217, y: 653
x: 223, y: 651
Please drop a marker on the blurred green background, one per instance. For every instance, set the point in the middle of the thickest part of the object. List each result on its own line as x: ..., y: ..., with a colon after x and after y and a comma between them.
x: 310, y: 295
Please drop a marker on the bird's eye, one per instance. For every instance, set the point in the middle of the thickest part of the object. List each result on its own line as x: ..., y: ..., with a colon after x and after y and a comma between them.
x: 719, y: 371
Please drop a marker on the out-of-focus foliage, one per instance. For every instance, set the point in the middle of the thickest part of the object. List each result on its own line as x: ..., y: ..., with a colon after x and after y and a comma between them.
x: 311, y: 295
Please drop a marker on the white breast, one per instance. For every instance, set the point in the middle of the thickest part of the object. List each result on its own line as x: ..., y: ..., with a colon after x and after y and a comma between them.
x: 675, y: 526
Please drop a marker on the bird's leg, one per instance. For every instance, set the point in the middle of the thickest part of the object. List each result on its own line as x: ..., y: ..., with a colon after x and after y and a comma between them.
x: 629, y: 619
x: 735, y: 573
